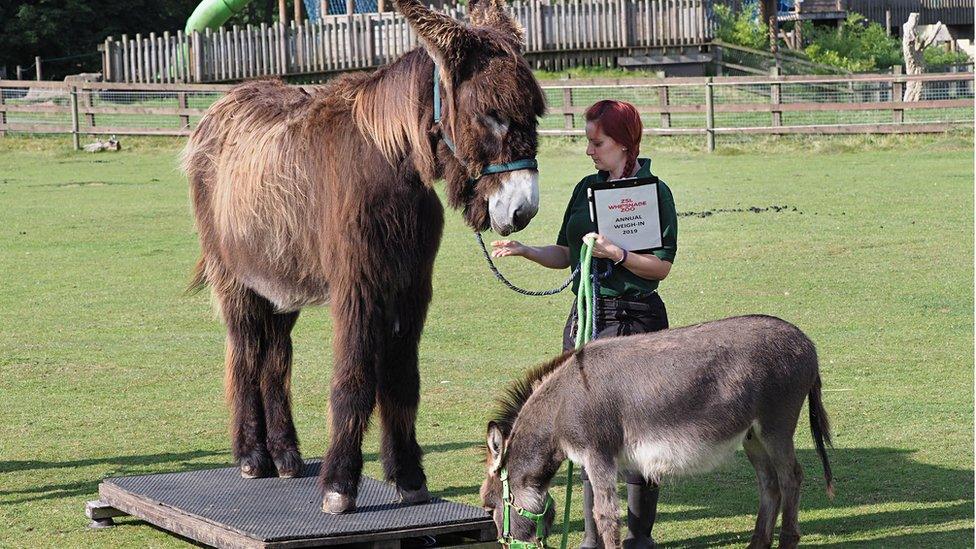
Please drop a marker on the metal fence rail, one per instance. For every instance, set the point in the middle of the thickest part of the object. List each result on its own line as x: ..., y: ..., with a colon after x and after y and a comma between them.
x: 366, y: 40
x: 870, y: 103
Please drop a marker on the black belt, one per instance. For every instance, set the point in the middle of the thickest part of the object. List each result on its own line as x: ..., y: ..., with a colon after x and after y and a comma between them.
x: 614, y: 303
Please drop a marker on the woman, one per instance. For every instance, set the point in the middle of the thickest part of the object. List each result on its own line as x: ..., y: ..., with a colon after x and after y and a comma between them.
x: 629, y: 302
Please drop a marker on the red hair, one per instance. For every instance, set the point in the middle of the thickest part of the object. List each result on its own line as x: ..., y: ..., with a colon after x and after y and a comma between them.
x: 620, y: 121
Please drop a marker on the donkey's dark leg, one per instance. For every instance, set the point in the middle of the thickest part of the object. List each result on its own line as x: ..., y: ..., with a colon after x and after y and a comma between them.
x: 246, y: 315
x: 358, y: 325
x: 769, y: 495
x: 282, y: 441
x: 398, y: 376
x: 398, y: 391
x: 606, y: 509
x: 790, y: 476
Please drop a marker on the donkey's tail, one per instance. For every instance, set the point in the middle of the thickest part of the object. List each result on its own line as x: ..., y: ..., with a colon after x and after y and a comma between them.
x: 198, y: 280
x: 820, y: 429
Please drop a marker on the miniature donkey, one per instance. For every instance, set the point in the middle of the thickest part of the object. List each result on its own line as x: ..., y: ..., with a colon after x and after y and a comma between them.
x: 669, y: 403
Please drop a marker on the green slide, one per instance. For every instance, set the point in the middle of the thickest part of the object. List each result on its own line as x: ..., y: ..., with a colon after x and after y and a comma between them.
x: 212, y: 14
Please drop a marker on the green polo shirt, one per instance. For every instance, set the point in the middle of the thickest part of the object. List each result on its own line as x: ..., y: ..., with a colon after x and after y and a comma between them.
x: 577, y: 223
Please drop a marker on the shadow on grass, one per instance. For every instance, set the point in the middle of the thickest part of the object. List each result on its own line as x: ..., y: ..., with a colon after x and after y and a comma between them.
x: 135, y: 464
x: 862, y: 477
x: 121, y: 461
x: 432, y: 449
x: 123, y: 465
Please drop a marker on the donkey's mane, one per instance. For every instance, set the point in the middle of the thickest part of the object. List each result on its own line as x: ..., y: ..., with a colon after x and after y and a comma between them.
x: 508, y: 406
x: 387, y: 108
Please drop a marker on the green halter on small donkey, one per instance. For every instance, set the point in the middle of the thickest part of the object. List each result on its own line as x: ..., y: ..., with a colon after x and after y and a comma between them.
x: 585, y: 314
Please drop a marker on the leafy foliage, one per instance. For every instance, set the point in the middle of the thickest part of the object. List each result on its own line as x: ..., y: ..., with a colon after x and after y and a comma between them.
x: 743, y: 28
x: 937, y: 55
x: 858, y: 45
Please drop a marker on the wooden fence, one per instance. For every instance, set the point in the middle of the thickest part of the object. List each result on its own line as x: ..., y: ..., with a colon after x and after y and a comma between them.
x: 950, y: 12
x: 553, y: 30
x: 869, y: 103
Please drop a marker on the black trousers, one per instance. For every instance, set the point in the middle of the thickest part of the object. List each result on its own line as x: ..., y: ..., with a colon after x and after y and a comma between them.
x: 617, y: 317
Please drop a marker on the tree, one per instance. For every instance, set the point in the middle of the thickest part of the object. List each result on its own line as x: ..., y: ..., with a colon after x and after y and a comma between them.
x: 73, y: 29
x: 913, y: 47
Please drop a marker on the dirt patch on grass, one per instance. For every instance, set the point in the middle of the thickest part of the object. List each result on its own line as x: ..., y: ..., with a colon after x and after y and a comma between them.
x: 750, y: 209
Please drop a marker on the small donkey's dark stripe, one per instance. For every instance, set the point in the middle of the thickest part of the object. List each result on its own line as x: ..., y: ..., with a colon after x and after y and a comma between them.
x: 508, y: 406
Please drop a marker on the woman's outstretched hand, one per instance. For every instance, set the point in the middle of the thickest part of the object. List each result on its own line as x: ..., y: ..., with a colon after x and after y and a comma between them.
x: 502, y: 248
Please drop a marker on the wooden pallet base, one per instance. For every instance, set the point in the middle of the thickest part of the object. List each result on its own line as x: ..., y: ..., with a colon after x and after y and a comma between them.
x: 193, y: 505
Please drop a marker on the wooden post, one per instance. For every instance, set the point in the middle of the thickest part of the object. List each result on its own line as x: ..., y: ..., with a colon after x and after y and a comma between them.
x: 107, y: 60
x: 282, y: 12
x: 37, y: 67
x: 709, y: 115
x: 20, y: 73
x: 568, y: 119
x: 282, y: 48
x: 774, y: 36
x: 888, y: 21
x: 3, y: 115
x: 350, y: 7
x: 197, y: 53
x: 137, y: 72
x: 124, y: 45
x: 897, y: 91
x: 298, y: 11
x: 86, y: 102
x: 184, y: 118
x: 665, y: 100
x: 368, y: 37
x: 151, y: 64
x: 623, y: 6
x: 774, y: 97
x: 381, y: 6
x: 74, y: 118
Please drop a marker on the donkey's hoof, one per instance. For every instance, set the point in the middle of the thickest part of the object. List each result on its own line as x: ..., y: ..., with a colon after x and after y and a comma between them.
x: 639, y: 542
x: 289, y: 464
x: 250, y: 471
x: 255, y: 466
x: 756, y: 543
x: 789, y: 541
x: 335, y: 503
x: 413, y: 497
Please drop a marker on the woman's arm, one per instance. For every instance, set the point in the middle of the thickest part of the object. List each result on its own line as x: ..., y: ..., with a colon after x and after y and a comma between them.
x: 553, y: 257
x: 647, y: 266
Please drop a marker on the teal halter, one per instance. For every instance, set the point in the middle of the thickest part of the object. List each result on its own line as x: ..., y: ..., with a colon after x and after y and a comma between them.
x: 523, y: 164
x: 507, y: 539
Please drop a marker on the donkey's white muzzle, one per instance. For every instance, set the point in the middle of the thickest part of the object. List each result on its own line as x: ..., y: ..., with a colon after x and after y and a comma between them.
x: 516, y: 203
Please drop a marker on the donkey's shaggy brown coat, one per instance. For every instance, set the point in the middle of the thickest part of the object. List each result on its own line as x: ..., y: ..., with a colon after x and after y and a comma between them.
x: 304, y: 196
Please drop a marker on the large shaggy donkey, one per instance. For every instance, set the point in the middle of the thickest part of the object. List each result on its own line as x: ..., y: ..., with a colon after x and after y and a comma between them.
x: 307, y: 197
x: 669, y: 403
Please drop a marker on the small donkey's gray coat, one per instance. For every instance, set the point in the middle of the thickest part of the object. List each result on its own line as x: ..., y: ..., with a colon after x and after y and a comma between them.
x: 674, y: 402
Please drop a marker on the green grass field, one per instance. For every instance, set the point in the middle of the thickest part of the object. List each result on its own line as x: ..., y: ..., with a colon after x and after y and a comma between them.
x: 107, y: 368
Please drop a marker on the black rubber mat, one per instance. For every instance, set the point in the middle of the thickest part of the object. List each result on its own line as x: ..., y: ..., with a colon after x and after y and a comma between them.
x: 273, y: 509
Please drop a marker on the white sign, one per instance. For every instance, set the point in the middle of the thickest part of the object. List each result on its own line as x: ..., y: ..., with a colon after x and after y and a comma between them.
x: 628, y: 215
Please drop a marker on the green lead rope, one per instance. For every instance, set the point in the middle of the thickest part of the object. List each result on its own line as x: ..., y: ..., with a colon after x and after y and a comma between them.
x: 585, y: 306
x: 584, y: 330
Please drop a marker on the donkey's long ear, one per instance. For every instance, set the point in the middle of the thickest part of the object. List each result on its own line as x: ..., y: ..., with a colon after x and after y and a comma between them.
x: 496, y: 447
x: 446, y: 39
x: 491, y: 13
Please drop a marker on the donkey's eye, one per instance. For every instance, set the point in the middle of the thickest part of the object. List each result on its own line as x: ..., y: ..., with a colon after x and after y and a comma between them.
x: 496, y: 123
